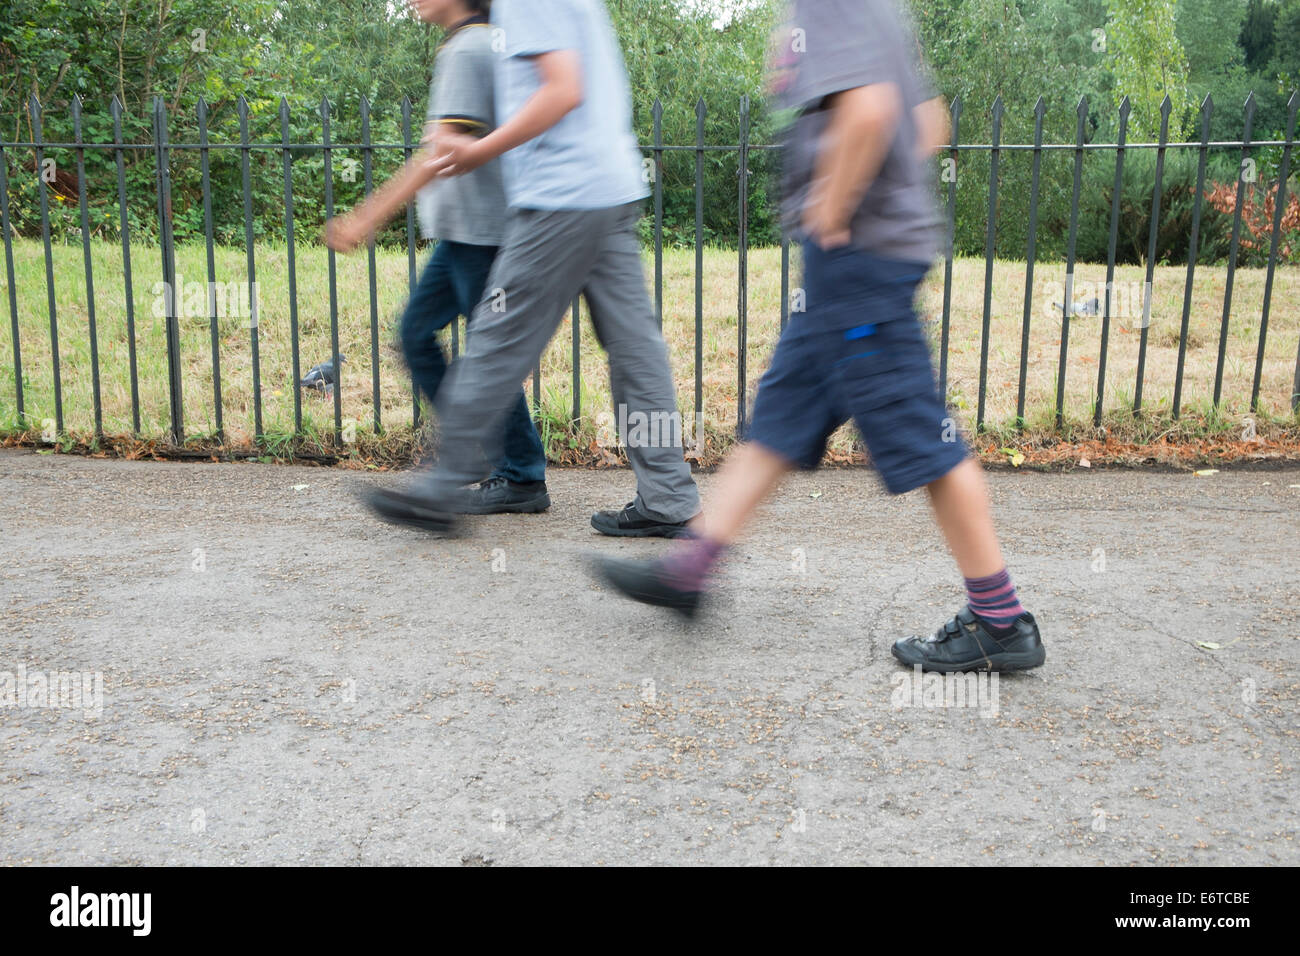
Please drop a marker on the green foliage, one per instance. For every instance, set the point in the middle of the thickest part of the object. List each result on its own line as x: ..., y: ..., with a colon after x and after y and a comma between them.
x: 676, y: 52
x: 1148, y: 63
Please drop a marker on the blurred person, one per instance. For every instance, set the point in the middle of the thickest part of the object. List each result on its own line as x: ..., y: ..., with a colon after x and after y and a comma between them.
x: 466, y: 216
x: 861, y: 121
x: 574, y: 186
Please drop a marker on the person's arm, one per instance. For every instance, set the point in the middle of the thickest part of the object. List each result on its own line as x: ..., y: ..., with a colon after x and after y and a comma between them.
x: 560, y: 93
x: 933, y: 127
x: 864, y: 121
x: 346, y: 232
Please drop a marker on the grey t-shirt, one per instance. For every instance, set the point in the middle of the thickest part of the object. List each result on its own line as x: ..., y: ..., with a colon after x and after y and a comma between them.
x: 469, y: 208
x: 825, y: 47
x: 589, y: 159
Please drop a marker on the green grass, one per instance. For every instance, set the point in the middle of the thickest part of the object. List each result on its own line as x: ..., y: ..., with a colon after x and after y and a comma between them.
x: 569, y: 440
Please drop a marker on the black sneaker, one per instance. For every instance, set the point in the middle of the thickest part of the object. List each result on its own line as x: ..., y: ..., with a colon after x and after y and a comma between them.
x: 630, y: 523
x: 416, y: 511
x: 644, y: 581
x: 498, y: 496
x: 967, y: 644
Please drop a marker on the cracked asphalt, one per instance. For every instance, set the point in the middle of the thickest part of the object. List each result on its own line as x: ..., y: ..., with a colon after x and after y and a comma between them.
x: 286, y: 681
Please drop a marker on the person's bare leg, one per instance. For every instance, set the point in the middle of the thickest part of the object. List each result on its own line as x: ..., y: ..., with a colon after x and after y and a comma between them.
x: 961, y: 507
x: 747, y: 477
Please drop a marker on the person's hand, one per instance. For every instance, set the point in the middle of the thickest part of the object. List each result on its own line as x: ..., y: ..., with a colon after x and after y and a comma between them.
x: 345, y: 233
x: 825, y: 227
x: 454, y: 154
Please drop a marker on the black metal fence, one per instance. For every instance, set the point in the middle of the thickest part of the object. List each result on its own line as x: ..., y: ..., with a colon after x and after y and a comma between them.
x: 162, y: 149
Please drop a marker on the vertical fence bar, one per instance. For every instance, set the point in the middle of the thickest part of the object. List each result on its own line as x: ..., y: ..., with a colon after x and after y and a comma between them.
x: 742, y: 270
x: 990, y: 240
x: 1081, y: 114
x: 39, y: 139
x: 1279, y: 205
x: 1125, y: 109
x: 245, y: 162
x: 950, y: 174
x: 410, y: 245
x: 785, y: 280
x: 287, y: 161
x: 574, y: 319
x: 213, y: 323
x: 84, y: 208
x: 1207, y: 112
x: 367, y: 161
x: 700, y: 111
x: 1166, y: 106
x: 124, y: 228
x: 168, y: 252
x: 6, y: 232
x: 657, y: 112
x: 1040, y: 110
x: 1234, y: 247
x: 333, y: 272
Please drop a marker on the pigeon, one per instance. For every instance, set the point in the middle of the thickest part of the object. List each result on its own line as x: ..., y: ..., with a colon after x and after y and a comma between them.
x: 323, y: 378
x: 1082, y: 307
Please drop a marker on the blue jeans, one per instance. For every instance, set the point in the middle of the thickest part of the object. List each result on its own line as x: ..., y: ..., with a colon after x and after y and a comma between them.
x: 451, y: 285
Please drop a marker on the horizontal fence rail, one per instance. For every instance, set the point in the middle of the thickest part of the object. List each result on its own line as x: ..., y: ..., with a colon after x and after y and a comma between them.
x: 33, y: 163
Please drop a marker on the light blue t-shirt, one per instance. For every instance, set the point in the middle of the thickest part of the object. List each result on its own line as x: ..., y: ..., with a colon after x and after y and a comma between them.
x: 588, y: 160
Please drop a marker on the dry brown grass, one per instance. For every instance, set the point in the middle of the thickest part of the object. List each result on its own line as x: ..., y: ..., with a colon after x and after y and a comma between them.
x: 568, y: 441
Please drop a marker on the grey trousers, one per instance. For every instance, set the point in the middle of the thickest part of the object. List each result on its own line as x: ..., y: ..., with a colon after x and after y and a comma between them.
x: 548, y: 257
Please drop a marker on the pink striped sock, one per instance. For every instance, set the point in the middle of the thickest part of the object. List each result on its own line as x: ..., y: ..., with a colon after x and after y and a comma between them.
x: 994, y: 599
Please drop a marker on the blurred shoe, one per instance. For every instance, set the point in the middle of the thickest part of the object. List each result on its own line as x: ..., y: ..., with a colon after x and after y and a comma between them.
x: 501, y: 496
x: 630, y: 523
x: 647, y: 582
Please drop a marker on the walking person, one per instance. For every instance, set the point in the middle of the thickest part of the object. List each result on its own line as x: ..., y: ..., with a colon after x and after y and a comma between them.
x: 855, y: 191
x: 574, y: 186
x: 466, y: 216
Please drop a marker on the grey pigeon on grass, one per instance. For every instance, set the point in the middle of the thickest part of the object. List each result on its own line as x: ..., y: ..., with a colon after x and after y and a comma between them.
x: 1082, y: 307
x: 323, y: 377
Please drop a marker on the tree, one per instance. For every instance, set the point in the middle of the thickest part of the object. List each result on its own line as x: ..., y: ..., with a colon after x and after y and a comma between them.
x: 1148, y: 63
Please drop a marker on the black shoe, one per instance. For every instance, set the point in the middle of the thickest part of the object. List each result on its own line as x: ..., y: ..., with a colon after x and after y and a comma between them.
x: 400, y: 507
x: 498, y: 496
x: 630, y: 523
x: 644, y: 581
x: 967, y: 644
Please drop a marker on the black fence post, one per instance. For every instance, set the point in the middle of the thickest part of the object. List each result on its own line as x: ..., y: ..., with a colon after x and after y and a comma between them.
x: 367, y: 164
x: 39, y: 139
x: 214, y: 320
x: 742, y: 270
x: 333, y: 272
x: 1207, y: 113
x: 124, y: 227
x: 167, y: 250
x: 407, y: 151
x: 1067, y: 307
x: 6, y: 232
x: 1040, y: 110
x: 1234, y: 247
x: 1166, y: 106
x: 1279, y: 205
x: 700, y: 111
x: 657, y: 171
x: 990, y: 240
x: 1125, y: 110
x: 292, y: 264
x: 950, y: 172
x: 83, y: 206
x: 253, y: 335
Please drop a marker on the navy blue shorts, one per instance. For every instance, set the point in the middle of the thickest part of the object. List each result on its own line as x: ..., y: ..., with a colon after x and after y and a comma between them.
x: 857, y: 351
